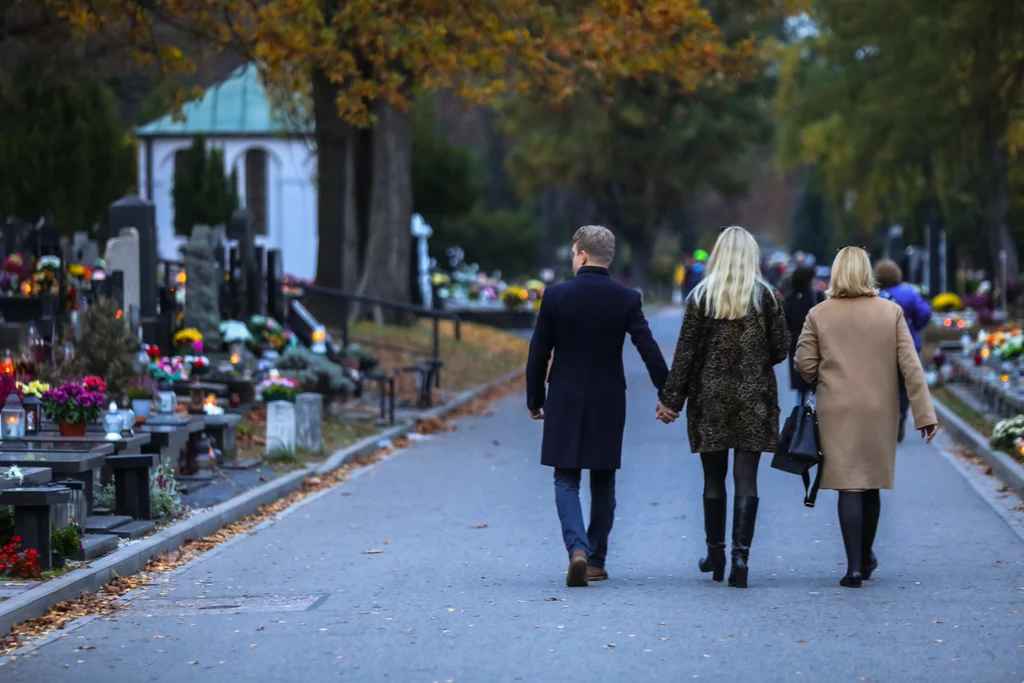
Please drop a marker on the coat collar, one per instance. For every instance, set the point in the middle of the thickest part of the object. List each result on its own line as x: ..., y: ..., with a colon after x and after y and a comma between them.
x: 593, y: 270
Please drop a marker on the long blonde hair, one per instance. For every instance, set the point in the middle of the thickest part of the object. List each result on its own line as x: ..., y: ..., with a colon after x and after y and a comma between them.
x: 733, y: 283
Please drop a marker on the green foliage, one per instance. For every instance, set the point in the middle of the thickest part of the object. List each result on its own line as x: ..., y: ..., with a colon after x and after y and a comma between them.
x: 910, y: 107
x: 106, y: 349
x: 66, y: 542
x: 314, y: 372
x: 105, y: 496
x: 449, y: 185
x: 203, y: 194
x: 62, y: 149
x: 643, y: 151
x: 508, y: 241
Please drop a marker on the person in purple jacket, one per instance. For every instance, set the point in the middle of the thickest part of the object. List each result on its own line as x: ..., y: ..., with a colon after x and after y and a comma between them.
x: 916, y: 312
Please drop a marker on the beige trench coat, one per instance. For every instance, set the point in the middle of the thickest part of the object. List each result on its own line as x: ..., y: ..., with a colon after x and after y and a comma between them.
x: 853, y: 349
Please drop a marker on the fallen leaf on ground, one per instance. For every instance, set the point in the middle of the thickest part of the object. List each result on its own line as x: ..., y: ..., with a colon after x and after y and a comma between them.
x: 372, y: 551
x: 478, y: 526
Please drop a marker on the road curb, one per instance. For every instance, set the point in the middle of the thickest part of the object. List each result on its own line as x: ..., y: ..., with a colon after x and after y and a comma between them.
x: 1003, y: 466
x: 130, y: 560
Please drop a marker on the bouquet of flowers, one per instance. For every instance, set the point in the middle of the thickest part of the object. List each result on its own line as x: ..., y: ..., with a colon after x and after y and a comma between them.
x: 235, y: 332
x: 188, y: 341
x: 277, y: 388
x: 140, y: 388
x: 269, y: 333
x: 946, y: 302
x: 1006, y: 434
x: 8, y: 283
x: 197, y: 365
x: 514, y: 297
x: 73, y: 403
x: 169, y: 369
x: 33, y: 388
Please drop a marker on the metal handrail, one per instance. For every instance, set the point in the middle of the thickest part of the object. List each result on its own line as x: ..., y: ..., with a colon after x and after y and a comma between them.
x: 419, y: 311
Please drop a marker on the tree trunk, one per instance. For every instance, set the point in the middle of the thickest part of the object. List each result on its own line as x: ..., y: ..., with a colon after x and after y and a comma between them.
x: 386, y: 261
x: 997, y: 206
x: 332, y: 134
x: 640, y: 261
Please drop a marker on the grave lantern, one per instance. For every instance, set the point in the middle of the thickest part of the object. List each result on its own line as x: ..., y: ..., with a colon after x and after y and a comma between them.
x: 236, y: 354
x: 8, y: 363
x: 13, y: 417
x: 32, y: 405
x: 112, y: 422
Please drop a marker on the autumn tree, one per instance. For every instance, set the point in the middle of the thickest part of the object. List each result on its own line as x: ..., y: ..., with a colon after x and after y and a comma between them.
x: 361, y: 62
x: 641, y: 151
x: 908, y: 110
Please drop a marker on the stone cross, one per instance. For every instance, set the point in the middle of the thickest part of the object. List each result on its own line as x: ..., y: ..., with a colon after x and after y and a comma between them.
x: 123, y: 255
x: 202, y: 290
x: 280, y: 427
x: 309, y: 414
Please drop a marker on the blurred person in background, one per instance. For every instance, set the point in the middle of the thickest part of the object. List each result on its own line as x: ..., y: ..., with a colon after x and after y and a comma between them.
x: 848, y: 349
x: 803, y: 296
x: 916, y: 312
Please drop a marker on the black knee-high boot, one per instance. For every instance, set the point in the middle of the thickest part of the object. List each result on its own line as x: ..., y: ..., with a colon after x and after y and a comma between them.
x: 714, y: 536
x: 744, y: 517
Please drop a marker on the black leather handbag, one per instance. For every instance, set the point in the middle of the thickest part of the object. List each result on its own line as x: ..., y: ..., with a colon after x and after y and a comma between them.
x: 799, y: 449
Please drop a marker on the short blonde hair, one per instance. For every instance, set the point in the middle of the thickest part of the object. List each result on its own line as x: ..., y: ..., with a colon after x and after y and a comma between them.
x: 852, y: 276
x: 597, y: 241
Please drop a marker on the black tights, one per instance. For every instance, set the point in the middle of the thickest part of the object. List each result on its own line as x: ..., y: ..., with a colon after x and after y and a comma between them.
x: 858, y: 520
x: 716, y: 467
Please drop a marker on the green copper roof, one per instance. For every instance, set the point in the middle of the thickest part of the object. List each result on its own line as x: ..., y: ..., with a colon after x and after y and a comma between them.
x: 238, y: 105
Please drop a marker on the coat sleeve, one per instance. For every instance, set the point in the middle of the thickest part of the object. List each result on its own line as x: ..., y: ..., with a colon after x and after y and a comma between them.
x: 807, y: 353
x: 922, y: 313
x: 913, y: 376
x: 779, y: 336
x: 673, y: 394
x: 643, y: 340
x: 541, y: 345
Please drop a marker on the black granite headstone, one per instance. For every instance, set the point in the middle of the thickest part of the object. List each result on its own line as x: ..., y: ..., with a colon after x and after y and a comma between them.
x: 135, y: 212
x: 275, y: 296
x: 242, y: 230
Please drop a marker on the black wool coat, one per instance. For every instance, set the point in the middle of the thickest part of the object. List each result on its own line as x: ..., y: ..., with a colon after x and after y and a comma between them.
x: 724, y: 371
x: 585, y: 322
x: 798, y: 305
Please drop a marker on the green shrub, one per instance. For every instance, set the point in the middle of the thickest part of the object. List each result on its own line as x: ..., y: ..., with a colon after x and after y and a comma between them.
x: 315, y: 372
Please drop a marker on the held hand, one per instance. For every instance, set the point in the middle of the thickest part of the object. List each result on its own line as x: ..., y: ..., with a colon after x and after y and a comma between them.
x: 665, y: 415
x: 537, y: 414
x: 929, y: 432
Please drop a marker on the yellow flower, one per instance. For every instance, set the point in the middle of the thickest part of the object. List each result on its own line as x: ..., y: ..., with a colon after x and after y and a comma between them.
x: 76, y: 269
x: 945, y: 302
x: 187, y: 336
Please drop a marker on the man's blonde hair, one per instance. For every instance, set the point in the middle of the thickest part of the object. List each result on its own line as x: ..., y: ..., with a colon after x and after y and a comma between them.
x: 597, y: 241
x: 852, y: 276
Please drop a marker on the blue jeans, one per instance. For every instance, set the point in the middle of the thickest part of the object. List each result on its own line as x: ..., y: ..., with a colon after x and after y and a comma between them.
x: 593, y: 540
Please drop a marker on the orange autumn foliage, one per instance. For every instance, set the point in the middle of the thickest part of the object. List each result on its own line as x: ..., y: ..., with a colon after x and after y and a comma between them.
x: 380, y: 51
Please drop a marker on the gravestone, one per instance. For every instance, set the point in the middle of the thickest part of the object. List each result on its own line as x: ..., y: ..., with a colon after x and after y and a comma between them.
x: 122, y: 256
x: 259, y: 284
x: 280, y: 427
x: 242, y: 230
x: 202, y: 297
x: 140, y: 214
x: 274, y: 278
x: 309, y: 414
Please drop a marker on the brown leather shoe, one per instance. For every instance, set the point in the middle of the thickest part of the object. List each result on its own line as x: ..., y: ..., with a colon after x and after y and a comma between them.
x: 576, y: 577
x: 596, y: 573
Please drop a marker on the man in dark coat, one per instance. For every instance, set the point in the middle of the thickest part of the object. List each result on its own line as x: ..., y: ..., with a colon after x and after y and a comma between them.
x: 585, y: 322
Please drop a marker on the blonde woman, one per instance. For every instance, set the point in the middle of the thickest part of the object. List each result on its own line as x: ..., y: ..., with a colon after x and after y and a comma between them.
x: 852, y: 346
x: 733, y: 335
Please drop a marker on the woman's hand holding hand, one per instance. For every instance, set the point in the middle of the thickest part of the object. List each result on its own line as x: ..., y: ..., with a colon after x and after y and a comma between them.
x: 665, y: 415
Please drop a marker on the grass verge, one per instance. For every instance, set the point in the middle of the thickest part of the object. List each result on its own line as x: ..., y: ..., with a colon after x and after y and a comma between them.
x: 484, y: 353
x: 976, y: 420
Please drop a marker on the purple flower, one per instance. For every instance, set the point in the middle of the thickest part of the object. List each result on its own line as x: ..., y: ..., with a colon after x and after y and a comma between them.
x: 56, y: 396
x: 73, y: 390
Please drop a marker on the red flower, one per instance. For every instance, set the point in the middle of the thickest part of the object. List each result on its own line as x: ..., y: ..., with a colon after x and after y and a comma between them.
x: 94, y: 383
x: 153, y: 351
x: 15, y: 539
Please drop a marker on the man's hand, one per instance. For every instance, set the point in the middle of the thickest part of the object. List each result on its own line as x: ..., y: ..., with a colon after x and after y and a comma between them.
x: 928, y: 433
x: 537, y: 414
x: 665, y: 415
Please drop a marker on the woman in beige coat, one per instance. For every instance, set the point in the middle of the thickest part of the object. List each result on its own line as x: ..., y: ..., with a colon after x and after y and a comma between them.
x: 853, y: 346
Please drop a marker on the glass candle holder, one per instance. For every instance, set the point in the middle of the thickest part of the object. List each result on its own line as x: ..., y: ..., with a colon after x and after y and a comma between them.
x: 13, y: 423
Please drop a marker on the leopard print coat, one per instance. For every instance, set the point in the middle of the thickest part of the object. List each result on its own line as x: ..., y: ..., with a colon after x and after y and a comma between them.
x: 724, y: 370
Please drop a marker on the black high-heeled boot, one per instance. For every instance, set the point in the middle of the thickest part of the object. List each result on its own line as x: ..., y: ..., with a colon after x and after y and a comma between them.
x: 714, y: 536
x: 744, y: 516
